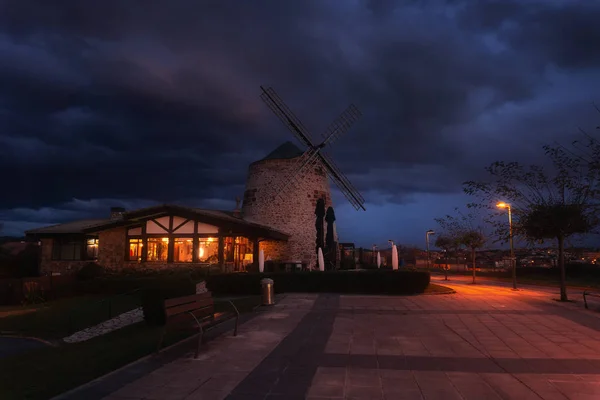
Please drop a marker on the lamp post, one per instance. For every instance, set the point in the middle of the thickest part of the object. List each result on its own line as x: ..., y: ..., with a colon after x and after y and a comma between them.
x: 510, y: 238
x: 429, y: 232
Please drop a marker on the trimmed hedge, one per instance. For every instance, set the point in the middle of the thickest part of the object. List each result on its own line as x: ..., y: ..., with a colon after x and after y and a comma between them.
x: 361, y: 282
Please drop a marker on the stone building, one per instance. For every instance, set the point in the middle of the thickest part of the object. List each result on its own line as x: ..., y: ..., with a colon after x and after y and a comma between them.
x: 294, y: 211
x: 171, y: 235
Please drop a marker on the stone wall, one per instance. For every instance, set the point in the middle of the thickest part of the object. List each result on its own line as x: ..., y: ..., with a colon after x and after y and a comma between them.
x: 111, y: 249
x: 48, y: 265
x: 294, y: 212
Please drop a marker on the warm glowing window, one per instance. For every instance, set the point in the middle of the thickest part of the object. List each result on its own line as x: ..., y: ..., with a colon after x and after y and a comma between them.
x: 92, y: 249
x: 208, y: 250
x: 184, y: 249
x: 158, y: 249
x: 135, y: 249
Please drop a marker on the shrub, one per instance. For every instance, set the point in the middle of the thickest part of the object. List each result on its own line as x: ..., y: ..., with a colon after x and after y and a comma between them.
x: 90, y: 271
x: 347, y: 263
x: 365, y: 282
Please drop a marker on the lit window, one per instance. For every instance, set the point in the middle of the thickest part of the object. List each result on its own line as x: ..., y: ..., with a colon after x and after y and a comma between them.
x: 184, y: 249
x: 92, y: 249
x: 208, y: 250
x: 158, y: 249
x: 135, y: 249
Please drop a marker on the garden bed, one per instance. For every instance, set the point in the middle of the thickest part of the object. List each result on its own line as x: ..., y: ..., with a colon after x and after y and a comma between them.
x: 359, y: 282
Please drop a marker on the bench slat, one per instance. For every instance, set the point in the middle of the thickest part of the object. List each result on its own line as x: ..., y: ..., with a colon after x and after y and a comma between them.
x: 184, y: 308
x: 186, y: 299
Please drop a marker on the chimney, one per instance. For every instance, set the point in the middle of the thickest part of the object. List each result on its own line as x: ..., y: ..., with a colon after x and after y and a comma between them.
x: 116, y: 212
x: 237, y: 212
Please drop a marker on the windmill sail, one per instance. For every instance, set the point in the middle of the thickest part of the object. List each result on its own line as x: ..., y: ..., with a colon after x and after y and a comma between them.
x: 293, y: 178
x: 314, y: 154
x: 353, y: 196
x: 341, y: 124
x: 279, y: 108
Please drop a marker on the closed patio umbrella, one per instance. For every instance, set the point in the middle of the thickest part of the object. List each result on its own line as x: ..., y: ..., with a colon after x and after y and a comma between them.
x: 261, y: 261
x: 394, y: 257
x: 321, y: 260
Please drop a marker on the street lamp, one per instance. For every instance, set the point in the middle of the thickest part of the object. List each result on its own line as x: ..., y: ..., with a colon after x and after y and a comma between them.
x: 429, y: 232
x: 510, y: 237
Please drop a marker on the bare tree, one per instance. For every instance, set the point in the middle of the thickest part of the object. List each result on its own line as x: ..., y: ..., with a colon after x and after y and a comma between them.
x: 462, y: 230
x: 554, y: 203
x: 445, y: 243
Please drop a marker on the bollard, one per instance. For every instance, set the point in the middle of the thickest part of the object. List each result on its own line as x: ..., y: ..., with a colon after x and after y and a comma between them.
x: 268, y: 292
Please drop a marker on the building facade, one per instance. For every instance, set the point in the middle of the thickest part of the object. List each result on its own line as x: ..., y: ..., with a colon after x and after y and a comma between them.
x: 158, y: 237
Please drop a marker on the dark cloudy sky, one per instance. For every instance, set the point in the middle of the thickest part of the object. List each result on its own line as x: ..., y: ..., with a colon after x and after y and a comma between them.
x: 133, y: 102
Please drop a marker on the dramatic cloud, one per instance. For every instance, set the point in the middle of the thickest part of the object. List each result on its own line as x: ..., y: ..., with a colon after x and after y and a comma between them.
x: 112, y: 102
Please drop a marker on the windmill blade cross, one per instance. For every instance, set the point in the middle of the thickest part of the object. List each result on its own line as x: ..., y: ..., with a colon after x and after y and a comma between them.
x: 341, y: 124
x: 309, y: 158
x: 279, y: 108
x: 342, y: 182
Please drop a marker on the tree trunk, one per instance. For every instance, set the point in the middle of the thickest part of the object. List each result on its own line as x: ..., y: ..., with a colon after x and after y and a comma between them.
x: 446, y: 269
x: 561, y: 265
x: 473, y: 260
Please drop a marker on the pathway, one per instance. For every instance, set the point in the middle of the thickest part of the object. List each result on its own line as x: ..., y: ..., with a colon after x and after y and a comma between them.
x: 484, y: 342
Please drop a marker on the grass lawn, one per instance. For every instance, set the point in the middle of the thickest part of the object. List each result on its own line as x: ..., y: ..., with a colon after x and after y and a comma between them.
x: 55, y: 319
x: 47, y: 372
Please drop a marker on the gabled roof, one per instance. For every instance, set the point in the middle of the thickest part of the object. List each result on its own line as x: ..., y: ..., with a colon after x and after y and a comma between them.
x: 70, y: 227
x: 286, y: 151
x: 222, y: 219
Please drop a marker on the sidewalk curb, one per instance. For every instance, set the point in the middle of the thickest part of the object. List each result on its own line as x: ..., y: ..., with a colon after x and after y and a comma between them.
x: 7, y: 335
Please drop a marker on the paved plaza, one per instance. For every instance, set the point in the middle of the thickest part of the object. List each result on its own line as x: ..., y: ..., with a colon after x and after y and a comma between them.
x: 483, y: 342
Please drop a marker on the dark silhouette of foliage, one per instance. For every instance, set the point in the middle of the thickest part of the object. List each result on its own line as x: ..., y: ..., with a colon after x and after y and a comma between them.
x: 320, y: 214
x: 329, y: 239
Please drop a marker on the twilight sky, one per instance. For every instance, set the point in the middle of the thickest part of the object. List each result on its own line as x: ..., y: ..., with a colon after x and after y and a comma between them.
x: 113, y: 103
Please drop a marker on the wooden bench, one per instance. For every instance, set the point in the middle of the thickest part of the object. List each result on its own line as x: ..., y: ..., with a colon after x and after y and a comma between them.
x: 198, y: 310
x: 586, y: 293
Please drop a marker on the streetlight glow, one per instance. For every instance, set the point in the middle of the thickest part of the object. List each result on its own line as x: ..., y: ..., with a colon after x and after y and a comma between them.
x: 502, y: 205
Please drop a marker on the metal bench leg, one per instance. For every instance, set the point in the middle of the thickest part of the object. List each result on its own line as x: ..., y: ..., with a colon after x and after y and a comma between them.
x: 200, y: 337
x: 200, y: 334
x: 585, y: 301
x: 237, y: 317
x: 161, y: 339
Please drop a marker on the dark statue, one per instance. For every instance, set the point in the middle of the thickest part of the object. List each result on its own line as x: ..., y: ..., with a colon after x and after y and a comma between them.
x: 320, y: 214
x: 329, y: 239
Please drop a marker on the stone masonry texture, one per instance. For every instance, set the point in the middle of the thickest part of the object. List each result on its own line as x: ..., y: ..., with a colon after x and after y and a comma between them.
x: 293, y: 212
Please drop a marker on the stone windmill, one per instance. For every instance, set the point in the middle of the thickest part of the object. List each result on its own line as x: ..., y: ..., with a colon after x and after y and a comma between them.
x: 282, y: 189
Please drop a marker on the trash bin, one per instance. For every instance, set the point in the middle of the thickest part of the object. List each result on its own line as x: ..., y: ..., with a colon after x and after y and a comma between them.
x: 268, y: 293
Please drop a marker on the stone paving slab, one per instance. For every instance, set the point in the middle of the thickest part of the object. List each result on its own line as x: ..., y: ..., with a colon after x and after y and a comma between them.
x: 484, y: 342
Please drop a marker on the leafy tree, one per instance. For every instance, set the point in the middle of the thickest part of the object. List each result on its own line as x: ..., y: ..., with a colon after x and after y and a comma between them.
x: 320, y: 214
x: 461, y: 231
x: 553, y: 203
x: 329, y: 239
x: 445, y: 243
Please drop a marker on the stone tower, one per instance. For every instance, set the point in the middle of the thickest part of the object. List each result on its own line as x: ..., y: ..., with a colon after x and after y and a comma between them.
x: 294, y: 212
